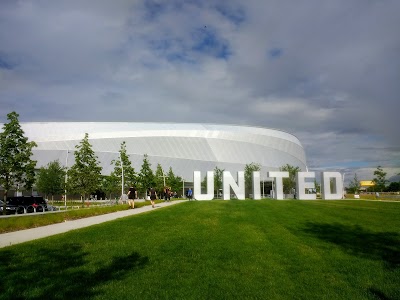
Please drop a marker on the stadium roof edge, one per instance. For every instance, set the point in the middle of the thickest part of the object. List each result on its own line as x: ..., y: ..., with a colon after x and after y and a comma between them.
x: 160, y: 123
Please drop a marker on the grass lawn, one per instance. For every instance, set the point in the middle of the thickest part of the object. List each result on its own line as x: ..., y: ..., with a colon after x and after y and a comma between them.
x: 26, y: 221
x: 218, y: 250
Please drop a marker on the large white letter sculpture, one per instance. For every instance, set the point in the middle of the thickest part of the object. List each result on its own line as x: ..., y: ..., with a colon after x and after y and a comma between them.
x: 302, y: 185
x: 326, y: 192
x: 239, y: 187
x: 278, y: 191
x: 197, y: 186
x: 229, y: 182
x: 256, y: 186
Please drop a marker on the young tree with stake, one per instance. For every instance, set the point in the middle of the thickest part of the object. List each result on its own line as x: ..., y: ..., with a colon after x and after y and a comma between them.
x: 16, y: 166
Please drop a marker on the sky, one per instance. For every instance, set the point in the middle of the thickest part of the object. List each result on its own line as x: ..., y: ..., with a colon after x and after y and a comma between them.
x: 326, y: 71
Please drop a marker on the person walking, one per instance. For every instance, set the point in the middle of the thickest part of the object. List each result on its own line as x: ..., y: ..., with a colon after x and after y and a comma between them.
x: 132, y: 195
x: 153, y: 196
x: 167, y: 194
x: 190, y: 194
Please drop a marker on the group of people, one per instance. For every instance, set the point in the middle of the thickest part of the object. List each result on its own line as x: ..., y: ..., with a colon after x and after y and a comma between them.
x: 167, y: 194
x: 133, y: 194
x: 152, y: 194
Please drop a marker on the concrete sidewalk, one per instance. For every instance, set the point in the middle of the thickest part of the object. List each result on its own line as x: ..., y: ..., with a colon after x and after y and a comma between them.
x: 12, y: 238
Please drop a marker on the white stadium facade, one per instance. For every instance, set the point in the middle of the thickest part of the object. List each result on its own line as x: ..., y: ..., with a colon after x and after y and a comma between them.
x: 185, y: 147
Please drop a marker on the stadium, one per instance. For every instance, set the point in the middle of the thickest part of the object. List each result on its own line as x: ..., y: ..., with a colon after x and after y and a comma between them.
x: 182, y: 146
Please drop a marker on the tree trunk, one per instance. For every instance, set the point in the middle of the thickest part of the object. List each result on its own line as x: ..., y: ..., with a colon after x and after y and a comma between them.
x: 5, y: 201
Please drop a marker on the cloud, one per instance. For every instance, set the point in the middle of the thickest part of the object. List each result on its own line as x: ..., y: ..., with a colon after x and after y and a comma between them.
x: 325, y: 71
x: 286, y: 108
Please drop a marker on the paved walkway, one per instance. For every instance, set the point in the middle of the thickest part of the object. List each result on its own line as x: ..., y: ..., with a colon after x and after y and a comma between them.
x: 12, y: 238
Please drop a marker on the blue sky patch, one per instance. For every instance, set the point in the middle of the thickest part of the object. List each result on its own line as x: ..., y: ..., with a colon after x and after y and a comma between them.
x: 235, y: 15
x: 275, y: 53
x: 206, y: 41
x: 4, y: 64
x: 173, y: 50
x: 161, y: 45
x: 153, y: 9
x: 180, y: 58
x: 349, y: 164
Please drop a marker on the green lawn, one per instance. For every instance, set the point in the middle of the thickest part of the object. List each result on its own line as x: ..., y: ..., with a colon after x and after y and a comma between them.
x: 218, y: 250
x: 20, y: 222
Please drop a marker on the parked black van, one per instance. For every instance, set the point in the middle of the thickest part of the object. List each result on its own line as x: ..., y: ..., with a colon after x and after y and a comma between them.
x: 25, y: 204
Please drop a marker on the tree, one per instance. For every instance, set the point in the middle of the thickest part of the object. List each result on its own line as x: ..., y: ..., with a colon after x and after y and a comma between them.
x: 84, y: 176
x: 218, y: 174
x: 146, y: 177
x: 159, y: 179
x: 354, y: 185
x: 380, y: 179
x: 130, y: 176
x: 317, y: 186
x: 110, y: 184
x: 174, y: 182
x: 289, y: 184
x: 51, y: 180
x: 248, y: 176
x: 16, y: 166
x: 393, y: 187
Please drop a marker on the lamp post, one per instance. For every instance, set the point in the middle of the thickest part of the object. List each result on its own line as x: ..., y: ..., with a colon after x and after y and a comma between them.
x: 343, y: 193
x: 66, y: 179
x: 163, y: 176
x: 183, y: 188
x: 122, y: 175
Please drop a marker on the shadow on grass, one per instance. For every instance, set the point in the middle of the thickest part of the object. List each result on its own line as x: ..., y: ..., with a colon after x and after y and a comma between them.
x: 360, y: 242
x: 378, y: 294
x: 59, y: 272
